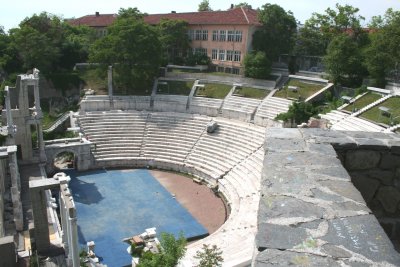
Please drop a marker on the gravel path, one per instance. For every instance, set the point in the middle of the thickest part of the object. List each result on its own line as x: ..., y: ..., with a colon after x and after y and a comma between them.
x: 199, y: 200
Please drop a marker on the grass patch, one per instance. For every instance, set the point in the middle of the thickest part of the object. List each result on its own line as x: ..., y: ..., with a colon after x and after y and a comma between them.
x: 305, y: 90
x: 95, y: 79
x: 363, y: 101
x: 374, y: 114
x: 252, y: 92
x: 214, y: 90
x: 175, y: 87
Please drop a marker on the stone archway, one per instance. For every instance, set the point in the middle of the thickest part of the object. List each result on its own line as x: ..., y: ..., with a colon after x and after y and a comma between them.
x: 80, y: 148
x: 64, y: 160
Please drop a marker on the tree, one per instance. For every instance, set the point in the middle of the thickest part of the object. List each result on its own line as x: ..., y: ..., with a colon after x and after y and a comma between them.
x: 38, y: 42
x: 344, y: 61
x: 321, y: 29
x: 383, y: 55
x: 171, y: 251
x: 298, y: 113
x: 277, y: 34
x: 257, y: 65
x: 174, y: 39
x: 244, y: 5
x: 209, y: 256
x: 133, y: 47
x: 204, y: 6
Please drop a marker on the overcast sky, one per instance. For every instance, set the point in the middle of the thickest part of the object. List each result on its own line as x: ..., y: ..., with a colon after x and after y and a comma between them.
x: 13, y: 11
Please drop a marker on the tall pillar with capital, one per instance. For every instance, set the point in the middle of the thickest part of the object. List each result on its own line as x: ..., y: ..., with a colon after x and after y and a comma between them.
x: 110, y: 85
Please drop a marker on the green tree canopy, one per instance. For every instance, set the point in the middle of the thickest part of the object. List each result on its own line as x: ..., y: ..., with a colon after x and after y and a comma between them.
x: 277, y: 34
x: 344, y: 61
x: 38, y: 42
x: 257, y: 65
x: 243, y: 4
x: 133, y: 47
x: 209, y: 256
x: 48, y: 43
x: 204, y: 6
x: 174, y: 39
x: 321, y: 29
x: 298, y: 113
x: 383, y: 55
x: 172, y: 250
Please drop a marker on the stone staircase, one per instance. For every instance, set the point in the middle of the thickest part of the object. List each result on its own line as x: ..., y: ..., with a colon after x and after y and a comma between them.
x: 334, y: 116
x: 58, y: 122
x: 272, y: 106
x: 351, y: 123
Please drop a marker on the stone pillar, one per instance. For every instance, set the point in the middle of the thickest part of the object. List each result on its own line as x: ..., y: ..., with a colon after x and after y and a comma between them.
x: 16, y: 190
x: 39, y: 208
x: 42, y: 153
x: 74, y: 247
x: 38, y: 109
x: 11, y: 129
x: 69, y: 225
x: 110, y: 82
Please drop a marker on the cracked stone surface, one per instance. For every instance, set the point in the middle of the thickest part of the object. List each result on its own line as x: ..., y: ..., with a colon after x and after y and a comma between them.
x: 310, y: 213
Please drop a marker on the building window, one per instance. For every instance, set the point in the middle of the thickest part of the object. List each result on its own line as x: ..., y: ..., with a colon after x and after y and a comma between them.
x: 202, y: 51
x: 215, y: 35
x: 205, y: 35
x: 221, y: 54
x: 235, y: 71
x: 228, y: 70
x: 198, y: 34
x: 231, y: 36
x: 214, y: 54
x: 229, y: 55
x: 238, y: 36
x: 220, y: 69
x: 237, y: 56
x: 222, y: 36
x: 191, y: 35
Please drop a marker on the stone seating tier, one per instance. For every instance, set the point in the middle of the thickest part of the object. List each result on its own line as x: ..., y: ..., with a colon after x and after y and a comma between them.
x: 175, y: 142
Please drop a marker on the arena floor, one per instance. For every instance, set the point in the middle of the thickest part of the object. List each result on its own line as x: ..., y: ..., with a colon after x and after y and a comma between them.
x: 114, y: 204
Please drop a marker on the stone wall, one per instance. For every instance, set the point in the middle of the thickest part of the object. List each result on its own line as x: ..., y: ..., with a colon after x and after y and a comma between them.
x: 375, y: 171
x: 223, y: 79
x: 310, y: 213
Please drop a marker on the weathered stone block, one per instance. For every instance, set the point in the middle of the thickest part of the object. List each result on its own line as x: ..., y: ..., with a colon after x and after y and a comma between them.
x: 285, y: 208
x: 285, y: 145
x: 389, y: 161
x: 389, y: 197
x: 345, y: 189
x: 362, y: 159
x: 274, y: 258
x: 362, y: 235
x: 366, y: 186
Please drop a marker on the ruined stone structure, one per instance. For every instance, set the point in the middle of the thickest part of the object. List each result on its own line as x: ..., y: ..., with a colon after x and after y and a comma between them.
x: 24, y: 103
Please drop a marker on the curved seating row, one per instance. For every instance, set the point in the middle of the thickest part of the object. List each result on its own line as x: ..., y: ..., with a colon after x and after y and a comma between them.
x: 231, y: 158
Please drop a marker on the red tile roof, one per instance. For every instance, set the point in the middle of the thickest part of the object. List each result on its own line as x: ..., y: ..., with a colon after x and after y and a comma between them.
x: 236, y: 16
x: 96, y: 20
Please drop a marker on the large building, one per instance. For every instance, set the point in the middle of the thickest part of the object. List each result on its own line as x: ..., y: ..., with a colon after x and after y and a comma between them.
x: 224, y: 36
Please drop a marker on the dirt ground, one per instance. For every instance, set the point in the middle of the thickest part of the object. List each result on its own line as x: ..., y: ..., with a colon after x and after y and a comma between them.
x: 199, y: 200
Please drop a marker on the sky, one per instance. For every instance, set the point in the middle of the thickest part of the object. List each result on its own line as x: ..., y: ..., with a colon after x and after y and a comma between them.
x: 14, y: 11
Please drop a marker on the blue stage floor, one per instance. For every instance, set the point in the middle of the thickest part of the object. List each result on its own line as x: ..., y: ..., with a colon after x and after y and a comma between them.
x: 114, y: 204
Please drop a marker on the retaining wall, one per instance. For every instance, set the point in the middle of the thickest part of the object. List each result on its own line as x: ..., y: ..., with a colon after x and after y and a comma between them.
x: 310, y: 213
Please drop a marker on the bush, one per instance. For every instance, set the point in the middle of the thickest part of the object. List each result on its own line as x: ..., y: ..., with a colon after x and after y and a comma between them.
x: 257, y: 65
x: 197, y: 59
x: 298, y: 112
